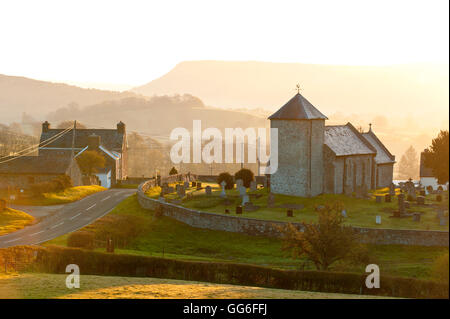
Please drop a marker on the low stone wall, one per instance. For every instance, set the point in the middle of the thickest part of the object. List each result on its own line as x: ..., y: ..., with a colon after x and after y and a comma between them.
x: 213, y: 179
x: 257, y: 227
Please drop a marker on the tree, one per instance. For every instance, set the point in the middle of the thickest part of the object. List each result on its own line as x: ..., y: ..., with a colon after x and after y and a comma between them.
x: 173, y: 171
x: 246, y: 175
x: 227, y: 178
x: 409, y: 164
x: 437, y: 157
x: 90, y: 162
x: 326, y: 241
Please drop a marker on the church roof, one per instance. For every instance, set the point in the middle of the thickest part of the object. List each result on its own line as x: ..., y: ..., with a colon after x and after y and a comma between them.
x: 297, y: 108
x: 345, y: 140
x: 383, y: 155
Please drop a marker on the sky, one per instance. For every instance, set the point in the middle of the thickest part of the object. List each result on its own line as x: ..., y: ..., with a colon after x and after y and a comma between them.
x: 120, y: 44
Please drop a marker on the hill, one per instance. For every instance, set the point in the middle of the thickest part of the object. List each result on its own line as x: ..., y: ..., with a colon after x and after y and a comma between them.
x: 394, y: 90
x: 20, y: 94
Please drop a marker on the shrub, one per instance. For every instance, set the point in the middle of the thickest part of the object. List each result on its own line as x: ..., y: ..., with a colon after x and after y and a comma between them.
x: 246, y: 175
x: 440, y: 269
x: 57, y: 184
x: 227, y: 178
x: 81, y: 239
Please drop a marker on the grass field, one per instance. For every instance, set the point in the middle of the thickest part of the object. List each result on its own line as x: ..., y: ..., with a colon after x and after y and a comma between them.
x: 172, y: 239
x: 69, y: 195
x: 360, y: 212
x: 12, y: 220
x: 33, y: 286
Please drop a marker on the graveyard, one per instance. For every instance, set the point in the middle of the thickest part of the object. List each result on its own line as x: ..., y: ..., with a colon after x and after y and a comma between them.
x: 375, y: 209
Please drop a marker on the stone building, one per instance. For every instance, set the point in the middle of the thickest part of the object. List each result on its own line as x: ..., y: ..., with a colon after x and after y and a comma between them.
x: 314, y: 158
x: 22, y: 172
x: 112, y: 143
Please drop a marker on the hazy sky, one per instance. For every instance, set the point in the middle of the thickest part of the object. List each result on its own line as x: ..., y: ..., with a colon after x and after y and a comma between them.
x: 110, y: 43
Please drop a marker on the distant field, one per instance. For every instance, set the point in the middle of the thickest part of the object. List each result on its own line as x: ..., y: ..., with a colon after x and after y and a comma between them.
x: 360, y: 212
x: 33, y: 285
x: 12, y: 220
x: 69, y: 195
x: 166, y: 237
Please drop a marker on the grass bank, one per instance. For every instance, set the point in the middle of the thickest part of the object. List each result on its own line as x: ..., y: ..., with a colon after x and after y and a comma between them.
x: 12, y: 220
x: 35, y: 285
x: 165, y: 237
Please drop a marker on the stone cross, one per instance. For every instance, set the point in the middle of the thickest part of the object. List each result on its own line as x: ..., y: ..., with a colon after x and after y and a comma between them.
x: 208, y: 190
x: 239, y: 183
x: 242, y: 191
x: 253, y: 186
x: 223, y: 194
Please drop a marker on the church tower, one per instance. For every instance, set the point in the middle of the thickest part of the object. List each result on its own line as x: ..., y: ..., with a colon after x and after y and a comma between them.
x: 301, y: 129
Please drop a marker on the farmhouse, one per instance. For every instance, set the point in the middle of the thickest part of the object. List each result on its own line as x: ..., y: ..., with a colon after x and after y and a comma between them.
x: 112, y: 143
x: 314, y: 158
x: 23, y: 172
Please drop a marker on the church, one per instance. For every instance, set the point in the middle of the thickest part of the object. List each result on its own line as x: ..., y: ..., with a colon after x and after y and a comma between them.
x: 314, y: 158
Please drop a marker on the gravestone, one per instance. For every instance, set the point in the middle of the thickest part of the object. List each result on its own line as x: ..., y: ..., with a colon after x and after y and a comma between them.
x: 170, y: 189
x: 186, y: 185
x: 245, y: 199
x: 239, y: 183
x: 416, y: 217
x: 270, y: 200
x: 181, y: 191
x: 392, y: 189
x: 227, y: 211
x: 290, y: 213
x: 387, y: 198
x: 199, y: 185
x: 410, y: 189
x: 223, y: 194
x: 238, y: 210
x: 344, y: 213
x: 249, y: 207
x: 253, y: 186
x: 378, y: 199
x: 242, y: 191
x: 208, y: 190
x: 378, y: 220
x: 194, y: 184
x: 420, y: 200
x: 401, y: 204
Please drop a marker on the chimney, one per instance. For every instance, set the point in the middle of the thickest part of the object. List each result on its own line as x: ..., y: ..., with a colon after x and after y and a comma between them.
x: 121, y: 127
x: 93, y: 142
x: 45, y: 127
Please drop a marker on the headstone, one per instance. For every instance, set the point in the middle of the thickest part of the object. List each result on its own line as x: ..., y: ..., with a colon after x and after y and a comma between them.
x: 410, y: 189
x: 245, y: 200
x: 238, y: 210
x: 227, y: 211
x: 416, y: 217
x: 420, y: 200
x: 387, y: 198
x: 242, y: 191
x: 208, y: 190
x: 401, y: 204
x: 270, y: 200
x: 253, y: 186
x: 193, y: 184
x: 378, y: 199
x: 181, y: 191
x: 170, y: 189
x: 392, y: 189
x: 378, y: 220
x: 290, y: 213
x: 239, y: 183
x: 344, y: 213
x: 223, y: 194
x: 186, y: 185
x: 199, y: 185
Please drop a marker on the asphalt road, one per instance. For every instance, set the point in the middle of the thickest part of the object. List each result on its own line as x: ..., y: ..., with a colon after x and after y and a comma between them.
x: 69, y: 218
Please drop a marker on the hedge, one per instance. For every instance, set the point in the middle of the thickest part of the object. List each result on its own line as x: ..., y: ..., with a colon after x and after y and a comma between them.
x: 55, y: 259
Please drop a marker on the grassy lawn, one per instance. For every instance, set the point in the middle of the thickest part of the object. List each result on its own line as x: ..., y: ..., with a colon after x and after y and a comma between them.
x: 69, y: 195
x: 12, y: 220
x: 32, y: 286
x: 360, y: 212
x: 172, y: 239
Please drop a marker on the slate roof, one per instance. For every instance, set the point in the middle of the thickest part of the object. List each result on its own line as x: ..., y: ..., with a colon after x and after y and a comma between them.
x: 383, y: 155
x: 297, y: 108
x: 424, y: 170
x: 345, y: 140
x: 110, y: 138
x: 36, y: 165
